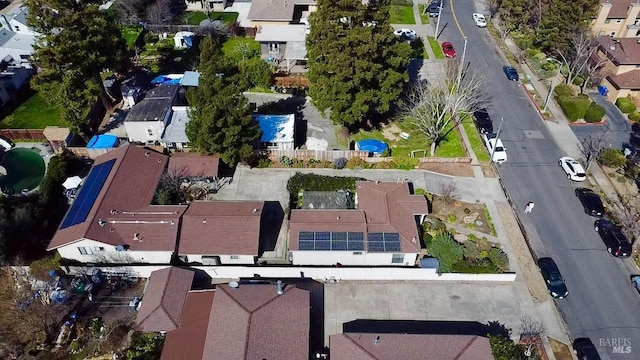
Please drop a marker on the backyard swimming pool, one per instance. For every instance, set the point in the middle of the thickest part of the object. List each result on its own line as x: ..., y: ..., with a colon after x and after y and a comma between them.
x: 24, y: 170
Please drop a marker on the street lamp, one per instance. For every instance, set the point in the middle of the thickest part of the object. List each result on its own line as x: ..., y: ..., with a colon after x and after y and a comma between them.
x: 546, y: 103
x: 461, y: 65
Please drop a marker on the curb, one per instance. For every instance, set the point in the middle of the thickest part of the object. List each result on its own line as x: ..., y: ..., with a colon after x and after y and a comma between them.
x: 603, y: 122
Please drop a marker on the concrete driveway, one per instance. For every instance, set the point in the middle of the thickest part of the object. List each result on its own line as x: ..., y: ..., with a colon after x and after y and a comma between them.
x: 617, y: 128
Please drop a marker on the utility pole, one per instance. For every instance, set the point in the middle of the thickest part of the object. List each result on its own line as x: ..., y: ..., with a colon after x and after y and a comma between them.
x: 553, y: 83
x: 493, y: 148
x: 461, y: 65
x: 439, y: 16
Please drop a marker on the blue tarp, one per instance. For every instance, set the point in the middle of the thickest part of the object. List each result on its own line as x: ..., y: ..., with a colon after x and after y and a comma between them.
x: 275, y: 128
x: 165, y: 80
x: 102, y: 142
x: 373, y: 146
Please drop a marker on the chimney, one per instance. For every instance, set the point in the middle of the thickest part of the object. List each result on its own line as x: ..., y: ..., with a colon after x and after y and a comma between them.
x: 280, y: 287
x: 376, y: 341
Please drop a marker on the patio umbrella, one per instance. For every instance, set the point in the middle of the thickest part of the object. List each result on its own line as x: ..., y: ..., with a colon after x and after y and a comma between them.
x: 72, y: 182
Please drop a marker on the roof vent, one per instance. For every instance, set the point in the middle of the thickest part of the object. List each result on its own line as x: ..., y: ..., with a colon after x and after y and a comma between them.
x: 376, y: 341
x: 159, y: 160
x: 136, y: 237
x: 171, y: 222
x: 113, y: 211
x: 338, y: 218
x: 413, y: 240
x: 377, y: 182
x: 204, y: 221
x: 147, y: 154
x: 280, y: 287
x: 255, y: 210
x: 612, y: 48
x: 101, y: 222
x: 112, y: 230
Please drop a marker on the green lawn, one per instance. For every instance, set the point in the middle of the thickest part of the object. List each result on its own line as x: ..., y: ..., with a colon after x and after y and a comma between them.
x: 401, y: 14
x: 196, y: 17
x: 235, y: 46
x: 435, y: 46
x: 476, y: 142
x: 130, y: 34
x: 451, y: 146
x: 33, y: 113
x: 424, y: 17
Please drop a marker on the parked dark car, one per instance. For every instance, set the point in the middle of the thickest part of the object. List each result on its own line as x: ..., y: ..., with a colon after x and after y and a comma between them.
x: 635, y: 127
x: 612, y: 236
x: 585, y: 350
x: 483, y: 121
x: 553, y: 278
x: 634, y: 139
x: 591, y: 202
x: 434, y: 9
x: 511, y: 72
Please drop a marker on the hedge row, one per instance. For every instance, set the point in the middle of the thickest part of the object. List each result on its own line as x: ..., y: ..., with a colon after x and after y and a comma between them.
x: 315, y: 182
x: 625, y: 105
x: 579, y: 106
x: 574, y: 107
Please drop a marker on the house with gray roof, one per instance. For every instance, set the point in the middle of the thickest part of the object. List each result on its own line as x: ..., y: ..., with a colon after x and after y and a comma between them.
x: 16, y: 38
x: 147, y: 120
x: 175, y: 135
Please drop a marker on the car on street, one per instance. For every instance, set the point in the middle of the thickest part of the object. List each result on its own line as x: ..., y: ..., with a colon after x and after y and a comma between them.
x: 434, y: 9
x: 634, y: 139
x: 405, y: 34
x: 479, y: 20
x: 511, y: 72
x: 495, y: 147
x: 448, y: 50
x: 483, y: 121
x: 591, y: 202
x: 635, y: 281
x: 585, y: 350
x: 612, y: 236
x: 553, y: 278
x: 572, y: 168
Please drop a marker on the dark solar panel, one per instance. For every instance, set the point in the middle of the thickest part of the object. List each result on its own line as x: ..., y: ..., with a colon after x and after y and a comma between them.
x: 339, y: 236
x: 375, y: 237
x: 392, y: 246
x: 306, y: 235
x: 355, y: 246
x: 356, y: 236
x: 323, y: 236
x: 392, y: 237
x: 376, y: 246
x: 305, y: 245
x: 323, y: 245
x: 87, y: 195
x: 338, y: 245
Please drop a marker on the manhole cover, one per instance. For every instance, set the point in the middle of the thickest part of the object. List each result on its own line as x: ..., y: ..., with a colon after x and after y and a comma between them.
x: 533, y: 134
x: 454, y: 297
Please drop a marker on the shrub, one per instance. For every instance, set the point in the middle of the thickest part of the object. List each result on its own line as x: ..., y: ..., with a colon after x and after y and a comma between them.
x: 446, y: 250
x: 151, y: 38
x: 612, y: 158
x: 498, y: 259
x: 39, y: 269
x: 574, y: 107
x: 531, y: 53
x: 549, y: 66
x: 314, y: 182
x: 594, y: 113
x: 357, y: 163
x: 634, y: 116
x: 470, y: 250
x: 578, y: 80
x: 564, y: 90
x: 264, y: 163
x: 625, y: 105
x: 451, y: 219
x: 405, y: 163
x: 284, y: 160
x: 339, y: 163
x: 386, y: 153
x: 475, y: 266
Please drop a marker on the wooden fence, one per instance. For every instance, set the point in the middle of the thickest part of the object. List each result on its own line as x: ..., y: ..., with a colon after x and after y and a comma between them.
x: 306, y: 155
x: 24, y: 134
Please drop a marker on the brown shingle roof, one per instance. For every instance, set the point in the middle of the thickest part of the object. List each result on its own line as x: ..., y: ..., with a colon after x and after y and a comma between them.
x: 194, y: 164
x: 187, y: 341
x: 325, y: 220
x: 221, y: 228
x: 162, y: 303
x: 390, y: 207
x: 623, y: 51
x: 275, y: 10
x: 618, y: 8
x: 628, y: 80
x: 254, y: 322
x: 123, y: 205
x: 359, y: 346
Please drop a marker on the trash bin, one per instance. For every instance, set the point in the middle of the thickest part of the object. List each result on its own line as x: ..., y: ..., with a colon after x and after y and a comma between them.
x: 602, y: 89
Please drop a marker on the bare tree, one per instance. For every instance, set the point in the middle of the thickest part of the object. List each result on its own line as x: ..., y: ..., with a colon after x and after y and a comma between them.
x: 132, y: 11
x: 530, y: 328
x: 577, y: 58
x: 626, y: 212
x: 448, y: 193
x: 591, y: 147
x: 160, y: 12
x: 437, y: 108
x: 492, y: 6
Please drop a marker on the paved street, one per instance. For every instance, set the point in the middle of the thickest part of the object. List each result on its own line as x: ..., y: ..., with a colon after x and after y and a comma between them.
x: 600, y: 295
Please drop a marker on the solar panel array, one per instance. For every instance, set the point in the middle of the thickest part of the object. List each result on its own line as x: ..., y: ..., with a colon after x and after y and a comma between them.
x: 87, y: 195
x: 383, y: 242
x: 330, y: 241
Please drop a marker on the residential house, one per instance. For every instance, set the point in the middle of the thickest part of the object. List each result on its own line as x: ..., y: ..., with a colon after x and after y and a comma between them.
x: 112, y: 220
x: 247, y: 321
x: 617, y: 18
x: 619, y: 63
x: 277, y: 131
x: 146, y: 121
x: 206, y: 5
x: 382, y: 230
x: 221, y: 232
x: 281, y: 29
x: 369, y: 346
x: 15, y: 77
x: 174, y: 135
x: 16, y: 38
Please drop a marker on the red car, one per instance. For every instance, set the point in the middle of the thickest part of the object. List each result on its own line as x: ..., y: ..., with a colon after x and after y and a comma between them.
x: 448, y: 50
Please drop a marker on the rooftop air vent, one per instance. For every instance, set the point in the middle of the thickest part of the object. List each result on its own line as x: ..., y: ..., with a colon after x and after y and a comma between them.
x: 204, y: 221
x: 376, y: 341
x: 136, y: 237
x: 280, y: 288
x: 147, y: 154
x: 101, y: 222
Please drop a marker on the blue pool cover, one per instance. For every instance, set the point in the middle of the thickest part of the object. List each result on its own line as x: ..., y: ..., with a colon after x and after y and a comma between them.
x: 374, y: 146
x: 102, y: 142
x: 166, y: 80
x: 88, y: 194
x: 275, y: 128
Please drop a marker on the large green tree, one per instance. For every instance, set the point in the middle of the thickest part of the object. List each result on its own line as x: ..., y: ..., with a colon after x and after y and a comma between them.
x: 562, y: 21
x: 78, y: 42
x: 357, y: 68
x: 220, y: 117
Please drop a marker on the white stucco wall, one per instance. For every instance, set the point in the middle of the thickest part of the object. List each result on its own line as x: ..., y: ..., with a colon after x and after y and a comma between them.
x: 225, y: 259
x: 109, y: 254
x: 349, y: 258
x: 137, y: 130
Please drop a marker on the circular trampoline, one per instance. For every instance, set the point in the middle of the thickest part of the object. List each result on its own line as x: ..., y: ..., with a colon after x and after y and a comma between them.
x: 24, y: 170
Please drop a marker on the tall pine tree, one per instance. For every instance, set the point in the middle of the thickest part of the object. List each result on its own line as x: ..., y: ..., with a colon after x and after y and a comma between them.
x: 356, y: 66
x: 78, y: 41
x: 220, y: 117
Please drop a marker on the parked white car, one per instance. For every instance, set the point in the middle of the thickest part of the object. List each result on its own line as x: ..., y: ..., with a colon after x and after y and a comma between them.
x: 405, y: 33
x: 572, y: 168
x: 495, y: 147
x: 479, y: 20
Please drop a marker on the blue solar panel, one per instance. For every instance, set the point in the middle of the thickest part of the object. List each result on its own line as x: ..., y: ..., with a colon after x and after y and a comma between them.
x: 338, y: 245
x: 305, y: 245
x: 355, y: 246
x: 340, y: 236
x: 88, y: 194
x: 376, y: 246
x: 375, y: 237
x: 306, y: 235
x: 392, y: 246
x: 358, y: 236
x: 391, y: 237
x: 323, y: 245
x: 323, y: 236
